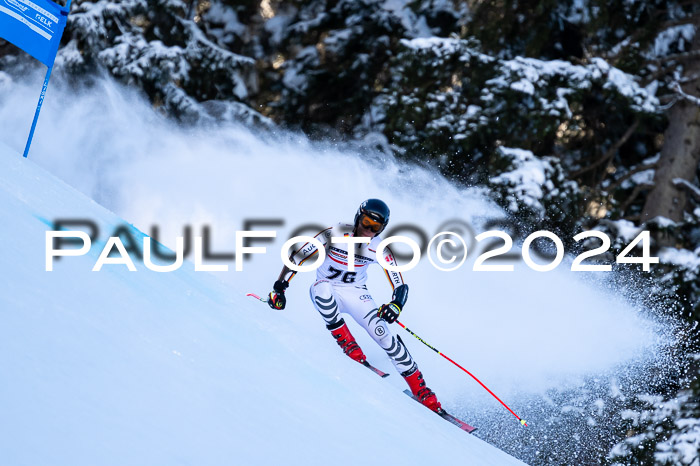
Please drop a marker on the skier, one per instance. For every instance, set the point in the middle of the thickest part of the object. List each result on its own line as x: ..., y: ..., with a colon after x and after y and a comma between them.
x: 339, y: 290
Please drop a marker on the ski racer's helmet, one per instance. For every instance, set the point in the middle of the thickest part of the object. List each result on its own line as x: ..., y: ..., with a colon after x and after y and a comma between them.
x: 376, y: 210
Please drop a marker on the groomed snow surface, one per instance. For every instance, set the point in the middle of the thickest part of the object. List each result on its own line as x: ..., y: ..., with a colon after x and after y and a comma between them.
x: 147, y: 368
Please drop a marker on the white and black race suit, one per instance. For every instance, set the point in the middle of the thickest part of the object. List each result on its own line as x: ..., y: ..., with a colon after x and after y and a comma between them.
x: 339, y: 290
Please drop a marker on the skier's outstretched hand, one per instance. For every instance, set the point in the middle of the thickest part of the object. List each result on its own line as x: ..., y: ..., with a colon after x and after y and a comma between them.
x: 276, y: 299
x: 389, y: 312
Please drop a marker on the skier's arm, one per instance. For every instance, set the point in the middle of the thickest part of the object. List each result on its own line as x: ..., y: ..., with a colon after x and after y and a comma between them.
x: 395, y: 278
x: 276, y: 299
x: 298, y: 257
x: 301, y: 255
x: 390, y: 311
x: 286, y: 274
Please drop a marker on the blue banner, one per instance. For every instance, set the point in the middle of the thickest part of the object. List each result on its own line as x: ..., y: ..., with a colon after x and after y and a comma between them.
x: 35, y: 26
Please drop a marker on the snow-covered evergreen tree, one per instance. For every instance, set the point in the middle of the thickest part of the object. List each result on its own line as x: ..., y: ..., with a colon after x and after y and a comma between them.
x: 451, y: 103
x: 163, y: 48
x: 329, y: 57
x: 664, y: 432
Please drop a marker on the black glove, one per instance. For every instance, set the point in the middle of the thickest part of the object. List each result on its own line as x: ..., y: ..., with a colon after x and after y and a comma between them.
x: 276, y: 299
x: 389, y: 312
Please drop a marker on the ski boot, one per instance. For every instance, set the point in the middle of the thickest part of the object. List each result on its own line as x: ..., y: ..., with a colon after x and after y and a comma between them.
x: 415, y: 382
x: 348, y: 344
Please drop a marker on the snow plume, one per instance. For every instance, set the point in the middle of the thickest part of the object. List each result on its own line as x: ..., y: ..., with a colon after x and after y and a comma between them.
x: 541, y: 341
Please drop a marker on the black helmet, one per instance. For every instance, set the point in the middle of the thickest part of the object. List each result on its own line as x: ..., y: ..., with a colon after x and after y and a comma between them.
x: 375, y: 209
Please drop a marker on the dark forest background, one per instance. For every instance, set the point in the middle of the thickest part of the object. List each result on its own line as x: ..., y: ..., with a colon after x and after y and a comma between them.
x: 575, y: 114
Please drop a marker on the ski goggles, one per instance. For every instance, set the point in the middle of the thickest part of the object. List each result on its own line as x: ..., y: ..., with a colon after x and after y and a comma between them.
x: 371, y: 224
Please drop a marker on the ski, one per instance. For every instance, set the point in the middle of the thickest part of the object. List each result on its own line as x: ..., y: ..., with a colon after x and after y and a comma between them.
x: 458, y: 422
x: 375, y: 370
x: 447, y: 416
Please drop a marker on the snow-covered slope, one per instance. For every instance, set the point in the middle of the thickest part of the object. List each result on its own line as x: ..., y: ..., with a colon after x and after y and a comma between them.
x: 119, y: 367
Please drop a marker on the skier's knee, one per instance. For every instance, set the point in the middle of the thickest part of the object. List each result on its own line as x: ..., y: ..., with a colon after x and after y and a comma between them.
x: 322, y: 289
x: 382, y: 335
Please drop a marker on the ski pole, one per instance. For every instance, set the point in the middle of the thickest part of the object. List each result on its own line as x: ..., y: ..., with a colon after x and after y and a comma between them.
x: 522, y: 421
x: 253, y: 295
